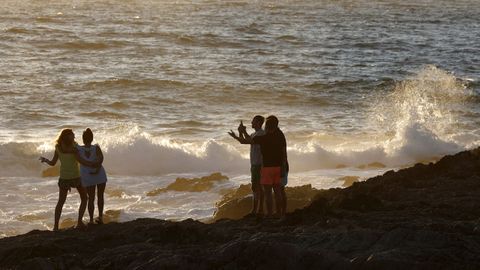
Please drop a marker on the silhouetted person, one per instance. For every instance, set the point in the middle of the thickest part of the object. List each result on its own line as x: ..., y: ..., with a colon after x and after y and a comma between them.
x: 284, y: 179
x: 93, y: 177
x: 255, y: 160
x: 66, y: 151
x: 273, y: 146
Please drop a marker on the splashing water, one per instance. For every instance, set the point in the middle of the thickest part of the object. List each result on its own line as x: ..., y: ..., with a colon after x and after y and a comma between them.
x: 421, y: 113
x: 429, y: 100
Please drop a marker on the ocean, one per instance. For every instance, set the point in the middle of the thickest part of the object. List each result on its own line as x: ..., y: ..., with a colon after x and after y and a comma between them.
x: 360, y: 87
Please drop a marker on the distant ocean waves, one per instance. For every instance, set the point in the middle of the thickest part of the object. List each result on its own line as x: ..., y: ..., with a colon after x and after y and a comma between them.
x: 121, y: 40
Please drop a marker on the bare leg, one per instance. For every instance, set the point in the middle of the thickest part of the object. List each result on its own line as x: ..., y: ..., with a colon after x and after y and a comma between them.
x: 284, y: 200
x: 255, y: 198
x: 278, y: 199
x: 268, y: 198
x: 91, y: 201
x: 83, y: 205
x: 62, y: 196
x: 100, y: 192
x: 260, y: 199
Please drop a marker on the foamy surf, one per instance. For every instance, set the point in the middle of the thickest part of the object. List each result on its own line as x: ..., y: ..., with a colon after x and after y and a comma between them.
x: 418, y: 121
x: 143, y: 157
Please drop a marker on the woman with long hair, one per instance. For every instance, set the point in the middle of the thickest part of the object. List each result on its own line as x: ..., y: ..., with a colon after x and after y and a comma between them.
x: 93, y: 178
x: 67, y: 152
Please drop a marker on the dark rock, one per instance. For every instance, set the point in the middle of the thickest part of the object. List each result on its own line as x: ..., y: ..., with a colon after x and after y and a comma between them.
x: 360, y: 202
x: 238, y: 203
x: 191, y: 184
x: 424, y: 217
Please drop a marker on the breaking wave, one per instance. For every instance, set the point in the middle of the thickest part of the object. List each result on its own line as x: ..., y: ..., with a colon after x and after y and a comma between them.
x: 417, y: 121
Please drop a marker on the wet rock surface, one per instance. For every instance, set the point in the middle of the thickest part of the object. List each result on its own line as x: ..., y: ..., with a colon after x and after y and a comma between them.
x: 424, y: 217
x: 191, y: 184
x: 237, y: 203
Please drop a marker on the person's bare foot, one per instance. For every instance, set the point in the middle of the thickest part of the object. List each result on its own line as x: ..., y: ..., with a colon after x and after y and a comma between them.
x: 81, y: 226
x: 99, y: 220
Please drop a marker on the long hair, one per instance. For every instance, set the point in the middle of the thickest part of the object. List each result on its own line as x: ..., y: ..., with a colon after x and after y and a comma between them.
x: 62, y: 138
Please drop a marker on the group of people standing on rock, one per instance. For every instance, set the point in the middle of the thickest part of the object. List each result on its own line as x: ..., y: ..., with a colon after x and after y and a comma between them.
x: 81, y: 168
x: 269, y: 164
x: 87, y: 178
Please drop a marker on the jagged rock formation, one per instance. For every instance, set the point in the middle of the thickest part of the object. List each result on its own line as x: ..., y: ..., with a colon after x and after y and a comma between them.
x: 191, y: 184
x: 424, y: 217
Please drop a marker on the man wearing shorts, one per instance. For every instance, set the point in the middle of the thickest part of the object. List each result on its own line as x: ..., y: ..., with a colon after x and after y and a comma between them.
x: 255, y: 160
x: 273, y: 146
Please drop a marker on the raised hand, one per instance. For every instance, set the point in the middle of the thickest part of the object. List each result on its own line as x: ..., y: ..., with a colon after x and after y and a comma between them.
x: 231, y: 133
x: 241, y: 127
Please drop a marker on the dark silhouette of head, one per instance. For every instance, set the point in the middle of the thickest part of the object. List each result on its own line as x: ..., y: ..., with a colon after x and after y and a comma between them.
x: 87, y: 136
x: 66, y: 138
x: 257, y: 122
x: 272, y: 124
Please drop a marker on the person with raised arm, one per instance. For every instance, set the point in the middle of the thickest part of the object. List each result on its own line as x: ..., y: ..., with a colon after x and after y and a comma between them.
x: 67, y: 152
x: 275, y: 167
x: 255, y: 160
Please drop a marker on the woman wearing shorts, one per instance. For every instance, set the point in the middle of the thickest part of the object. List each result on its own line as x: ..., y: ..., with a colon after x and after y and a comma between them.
x: 67, y: 153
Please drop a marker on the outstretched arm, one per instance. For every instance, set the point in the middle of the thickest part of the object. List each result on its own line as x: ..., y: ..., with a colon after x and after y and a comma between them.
x: 240, y: 139
x: 245, y: 135
x: 50, y: 162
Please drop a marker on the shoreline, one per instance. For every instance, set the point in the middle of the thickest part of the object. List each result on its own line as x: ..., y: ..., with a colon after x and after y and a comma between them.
x: 425, y: 216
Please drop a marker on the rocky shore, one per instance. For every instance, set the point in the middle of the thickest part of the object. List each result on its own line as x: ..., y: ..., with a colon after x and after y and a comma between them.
x: 237, y: 203
x: 423, y: 217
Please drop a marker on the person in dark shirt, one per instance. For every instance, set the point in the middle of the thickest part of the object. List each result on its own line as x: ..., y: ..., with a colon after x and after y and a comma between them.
x: 273, y: 146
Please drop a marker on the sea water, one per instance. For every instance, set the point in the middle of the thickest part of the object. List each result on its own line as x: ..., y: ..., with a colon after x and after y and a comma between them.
x: 359, y: 87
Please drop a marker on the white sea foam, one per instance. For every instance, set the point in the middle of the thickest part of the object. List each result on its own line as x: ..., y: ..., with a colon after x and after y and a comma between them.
x: 143, y: 156
x: 416, y: 122
x: 416, y: 145
x: 19, y: 159
x: 433, y: 98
